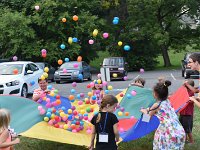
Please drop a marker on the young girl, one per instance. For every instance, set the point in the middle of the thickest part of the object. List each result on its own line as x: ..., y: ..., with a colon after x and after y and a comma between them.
x: 169, y: 134
x: 97, y: 91
x: 6, y: 142
x: 105, y: 125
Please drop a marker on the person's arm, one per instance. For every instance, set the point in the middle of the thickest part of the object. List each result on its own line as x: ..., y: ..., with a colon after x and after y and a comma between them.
x: 195, y: 100
x: 116, y: 132
x: 37, y: 95
x: 8, y: 144
x: 91, y: 147
x: 4, y: 135
x: 151, y: 111
x: 191, y: 88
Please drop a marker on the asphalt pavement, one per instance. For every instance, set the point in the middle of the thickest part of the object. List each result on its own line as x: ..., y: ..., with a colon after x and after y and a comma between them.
x: 151, y: 78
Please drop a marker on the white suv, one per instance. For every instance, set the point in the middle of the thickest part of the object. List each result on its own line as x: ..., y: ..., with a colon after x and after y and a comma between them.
x: 19, y: 77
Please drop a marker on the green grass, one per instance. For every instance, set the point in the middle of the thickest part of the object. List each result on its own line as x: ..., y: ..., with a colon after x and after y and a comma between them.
x: 140, y: 144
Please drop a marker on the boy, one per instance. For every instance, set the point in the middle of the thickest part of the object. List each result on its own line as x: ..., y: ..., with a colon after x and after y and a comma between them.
x: 138, y: 82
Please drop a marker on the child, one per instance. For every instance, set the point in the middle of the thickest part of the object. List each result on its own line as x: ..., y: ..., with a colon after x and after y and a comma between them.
x: 97, y: 91
x: 138, y: 82
x: 6, y: 142
x: 186, y: 115
x: 169, y: 134
x: 105, y: 125
x: 161, y: 79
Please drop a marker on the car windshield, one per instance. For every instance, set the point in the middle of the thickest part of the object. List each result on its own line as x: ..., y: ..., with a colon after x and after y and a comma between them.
x: 11, y: 69
x: 71, y: 65
x: 113, y: 62
x: 41, y: 65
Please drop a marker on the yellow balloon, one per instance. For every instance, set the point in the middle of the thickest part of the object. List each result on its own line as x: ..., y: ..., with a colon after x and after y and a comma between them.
x: 110, y: 87
x: 52, y: 94
x: 120, y: 113
x: 89, y: 93
x: 95, y: 32
x: 70, y: 40
x: 69, y: 111
x: 99, y: 81
x: 62, y: 114
x: 46, y: 69
x: 65, y: 126
x: 45, y: 75
x: 82, y: 112
x: 120, y: 43
x: 46, y: 119
x: 52, y: 116
x: 42, y: 77
x: 114, y: 75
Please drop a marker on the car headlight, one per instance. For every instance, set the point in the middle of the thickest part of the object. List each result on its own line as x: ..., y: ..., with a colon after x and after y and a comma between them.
x: 120, y: 68
x: 13, y: 83
x: 76, y: 72
x: 56, y: 73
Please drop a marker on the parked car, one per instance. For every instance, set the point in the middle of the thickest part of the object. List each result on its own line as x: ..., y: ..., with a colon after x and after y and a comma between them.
x: 67, y: 72
x: 19, y: 77
x: 187, y: 72
x: 51, y: 72
x: 4, y: 60
x: 116, y: 65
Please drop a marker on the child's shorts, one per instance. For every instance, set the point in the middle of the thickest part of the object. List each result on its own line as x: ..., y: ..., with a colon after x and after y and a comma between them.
x: 187, y: 123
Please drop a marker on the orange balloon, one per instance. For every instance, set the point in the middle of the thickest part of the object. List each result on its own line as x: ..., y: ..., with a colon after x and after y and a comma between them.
x: 15, y: 71
x: 75, y: 18
x: 71, y: 97
x: 58, y: 102
x: 79, y: 59
x: 64, y: 19
x: 126, y: 113
x: 60, y: 62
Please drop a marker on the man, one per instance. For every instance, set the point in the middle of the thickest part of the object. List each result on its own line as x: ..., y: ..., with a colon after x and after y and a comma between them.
x: 42, y: 90
x: 194, y: 64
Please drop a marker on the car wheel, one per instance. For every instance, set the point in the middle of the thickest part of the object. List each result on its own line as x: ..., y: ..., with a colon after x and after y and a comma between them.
x: 90, y: 77
x: 186, y: 75
x: 58, y: 82
x: 24, y: 91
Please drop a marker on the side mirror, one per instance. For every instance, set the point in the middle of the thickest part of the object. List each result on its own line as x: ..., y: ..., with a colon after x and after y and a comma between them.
x: 29, y: 72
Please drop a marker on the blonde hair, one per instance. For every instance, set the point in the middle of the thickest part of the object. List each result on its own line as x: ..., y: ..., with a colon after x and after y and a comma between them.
x: 107, y: 99
x: 4, y: 119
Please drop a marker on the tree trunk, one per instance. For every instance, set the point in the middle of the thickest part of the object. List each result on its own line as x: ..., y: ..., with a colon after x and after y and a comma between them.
x: 165, y: 55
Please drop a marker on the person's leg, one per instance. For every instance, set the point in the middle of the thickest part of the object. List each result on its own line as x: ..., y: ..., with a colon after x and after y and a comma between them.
x: 191, y: 138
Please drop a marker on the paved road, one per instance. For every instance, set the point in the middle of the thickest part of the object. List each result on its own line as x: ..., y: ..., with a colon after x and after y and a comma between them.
x: 151, y: 78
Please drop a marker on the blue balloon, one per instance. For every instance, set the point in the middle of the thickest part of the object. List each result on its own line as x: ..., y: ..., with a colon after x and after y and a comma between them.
x: 128, y: 96
x: 127, y: 47
x: 78, y: 96
x: 74, y: 39
x: 62, y: 46
x: 48, y: 114
x: 106, y: 91
x: 49, y: 87
x: 94, y: 97
x: 80, y: 76
x: 73, y: 91
x: 116, y: 18
x: 66, y: 59
x: 70, y: 117
x: 115, y: 21
x: 32, y: 82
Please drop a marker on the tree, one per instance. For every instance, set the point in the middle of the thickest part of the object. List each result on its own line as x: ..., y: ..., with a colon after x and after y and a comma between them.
x: 160, y: 22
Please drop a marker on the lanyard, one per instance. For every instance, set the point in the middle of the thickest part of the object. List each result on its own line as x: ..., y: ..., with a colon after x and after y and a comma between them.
x: 104, y: 123
x: 155, y: 108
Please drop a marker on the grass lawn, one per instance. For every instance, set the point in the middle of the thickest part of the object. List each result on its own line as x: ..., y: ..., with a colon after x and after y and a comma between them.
x: 140, y: 144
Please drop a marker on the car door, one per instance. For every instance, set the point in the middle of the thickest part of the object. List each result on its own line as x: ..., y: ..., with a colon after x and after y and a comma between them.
x: 37, y: 72
x: 28, y: 77
x: 86, y: 70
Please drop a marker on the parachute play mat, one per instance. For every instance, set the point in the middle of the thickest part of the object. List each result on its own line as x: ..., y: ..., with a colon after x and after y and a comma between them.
x: 59, y: 119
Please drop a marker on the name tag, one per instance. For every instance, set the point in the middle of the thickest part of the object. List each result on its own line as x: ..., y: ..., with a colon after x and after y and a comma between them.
x: 146, y: 118
x: 103, y: 137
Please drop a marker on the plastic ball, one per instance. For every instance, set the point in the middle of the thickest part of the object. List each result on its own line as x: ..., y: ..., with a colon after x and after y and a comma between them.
x: 126, y: 113
x: 94, y: 97
x: 82, y: 95
x: 79, y: 59
x: 73, y: 91
x: 122, y: 109
x: 106, y: 91
x: 127, y: 47
x: 128, y: 96
x: 40, y: 108
x: 14, y: 58
x: 110, y: 87
x: 114, y: 75
x: 133, y: 93
x: 141, y: 70
x: 125, y: 78
x: 91, y: 42
x: 89, y: 94
x: 60, y: 62
x: 62, y: 46
x: 64, y: 19
x: 74, y: 84
x: 80, y: 102
x: 105, y: 35
x: 75, y: 18
x: 121, y: 95
x: 71, y: 97
x: 46, y: 119
x: 73, y: 107
x: 120, y: 113
x: 120, y: 43
x: 69, y: 111
x: 66, y: 59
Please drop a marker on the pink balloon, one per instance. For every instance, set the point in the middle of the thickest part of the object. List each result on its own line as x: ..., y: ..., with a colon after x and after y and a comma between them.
x: 50, y: 122
x: 48, y: 100
x: 104, y: 83
x: 82, y: 95
x: 61, y: 126
x: 74, y: 84
x: 89, y: 131
x: 15, y: 58
x: 65, y: 70
x: 80, y: 102
x: 91, y: 42
x: 99, y: 75
x: 133, y: 93
x: 42, y: 112
x: 37, y: 7
x: 125, y: 78
x: 92, y: 84
x: 141, y: 70
x: 39, y: 107
x: 121, y: 130
x: 132, y: 117
x: 75, y: 65
x: 64, y: 118
x: 43, y: 51
x: 105, y: 35
x: 74, y: 131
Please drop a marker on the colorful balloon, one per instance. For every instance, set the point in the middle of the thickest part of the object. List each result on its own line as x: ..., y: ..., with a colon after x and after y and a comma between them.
x: 70, y: 40
x: 15, y: 58
x: 60, y: 62
x: 127, y: 47
x: 37, y: 7
x: 95, y: 32
x: 75, y: 18
x: 64, y: 19
x: 79, y: 59
x: 120, y: 43
x: 91, y: 42
x: 62, y: 46
x: 105, y: 35
x: 66, y: 59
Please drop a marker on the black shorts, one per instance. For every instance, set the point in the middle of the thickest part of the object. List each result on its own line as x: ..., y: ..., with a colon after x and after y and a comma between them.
x: 187, y: 123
